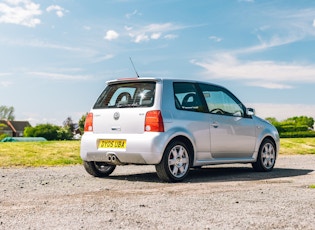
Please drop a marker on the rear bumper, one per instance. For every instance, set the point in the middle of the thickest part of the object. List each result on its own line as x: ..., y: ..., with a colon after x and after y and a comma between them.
x: 146, y: 148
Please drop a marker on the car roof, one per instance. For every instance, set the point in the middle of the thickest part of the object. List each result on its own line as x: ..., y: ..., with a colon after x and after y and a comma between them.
x: 155, y: 79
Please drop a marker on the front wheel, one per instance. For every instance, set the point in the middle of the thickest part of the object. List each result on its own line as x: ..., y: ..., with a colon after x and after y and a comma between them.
x: 98, y: 169
x: 175, y: 163
x: 266, y: 158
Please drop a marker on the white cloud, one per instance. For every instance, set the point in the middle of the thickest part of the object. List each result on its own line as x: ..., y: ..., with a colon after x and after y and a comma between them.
x: 274, y: 41
x: 291, y: 27
x: 103, y: 58
x: 141, y: 37
x: 134, y: 13
x: 153, y: 32
x: 111, y: 35
x: 269, y: 85
x: 4, y: 74
x: 20, y: 12
x: 5, y: 84
x: 275, y: 75
x: 128, y: 28
x: 58, y: 9
x: 215, y: 38
x: 86, y: 52
x: 170, y: 36
x: 286, y: 26
x: 155, y: 36
x: 160, y: 27
x: 59, y: 76
x: 246, y: 0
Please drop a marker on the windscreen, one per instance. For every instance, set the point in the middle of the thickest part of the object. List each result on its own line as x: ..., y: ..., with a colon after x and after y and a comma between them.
x: 123, y: 95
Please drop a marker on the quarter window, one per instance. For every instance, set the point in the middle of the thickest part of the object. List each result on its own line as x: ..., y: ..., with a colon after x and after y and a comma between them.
x: 187, y: 97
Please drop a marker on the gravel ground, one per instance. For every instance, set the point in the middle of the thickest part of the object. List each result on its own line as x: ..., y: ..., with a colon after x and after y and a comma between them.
x: 216, y: 197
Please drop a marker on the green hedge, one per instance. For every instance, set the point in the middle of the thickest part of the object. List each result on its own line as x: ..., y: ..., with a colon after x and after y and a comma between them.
x: 293, y: 128
x: 297, y: 134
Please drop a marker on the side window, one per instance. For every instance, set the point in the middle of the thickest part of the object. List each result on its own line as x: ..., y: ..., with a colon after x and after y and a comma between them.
x: 220, y: 101
x: 186, y: 97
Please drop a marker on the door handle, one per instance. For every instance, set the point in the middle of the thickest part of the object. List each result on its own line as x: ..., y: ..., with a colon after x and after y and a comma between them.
x: 214, y: 125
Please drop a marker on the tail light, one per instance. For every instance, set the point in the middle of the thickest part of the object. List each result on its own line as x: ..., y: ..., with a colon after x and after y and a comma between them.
x: 154, y: 121
x: 88, y: 126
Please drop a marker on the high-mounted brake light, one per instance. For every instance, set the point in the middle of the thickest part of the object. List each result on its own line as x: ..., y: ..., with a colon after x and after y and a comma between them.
x: 154, y: 121
x: 88, y: 126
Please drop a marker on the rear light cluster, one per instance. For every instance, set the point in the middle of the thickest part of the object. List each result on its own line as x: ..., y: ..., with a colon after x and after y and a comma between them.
x: 154, y: 121
x: 88, y: 126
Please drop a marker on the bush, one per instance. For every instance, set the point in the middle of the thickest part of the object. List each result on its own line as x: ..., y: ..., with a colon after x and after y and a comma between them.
x: 294, y: 127
x: 2, y: 136
x: 297, y: 134
x: 48, y: 131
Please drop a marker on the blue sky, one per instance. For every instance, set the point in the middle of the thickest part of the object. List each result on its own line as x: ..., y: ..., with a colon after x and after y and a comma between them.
x: 56, y: 55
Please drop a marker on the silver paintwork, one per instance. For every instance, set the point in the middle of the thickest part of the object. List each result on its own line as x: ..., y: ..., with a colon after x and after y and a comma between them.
x: 215, y: 138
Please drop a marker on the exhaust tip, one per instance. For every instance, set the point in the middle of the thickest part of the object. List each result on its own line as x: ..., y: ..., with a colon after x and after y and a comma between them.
x: 113, y: 159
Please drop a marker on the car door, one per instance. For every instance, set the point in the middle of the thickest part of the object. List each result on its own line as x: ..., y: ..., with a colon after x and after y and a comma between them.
x: 232, y: 133
x: 191, y: 115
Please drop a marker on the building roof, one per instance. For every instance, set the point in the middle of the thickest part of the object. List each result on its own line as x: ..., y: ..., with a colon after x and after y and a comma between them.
x: 14, y: 125
x: 19, y: 125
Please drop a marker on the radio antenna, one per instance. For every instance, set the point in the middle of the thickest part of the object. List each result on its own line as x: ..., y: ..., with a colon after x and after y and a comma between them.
x: 134, y: 67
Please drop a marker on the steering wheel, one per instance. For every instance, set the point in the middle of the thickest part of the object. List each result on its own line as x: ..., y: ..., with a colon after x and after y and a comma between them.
x: 217, y: 110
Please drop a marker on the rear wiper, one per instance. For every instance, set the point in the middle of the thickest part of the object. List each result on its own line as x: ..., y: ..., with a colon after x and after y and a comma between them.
x: 128, y: 106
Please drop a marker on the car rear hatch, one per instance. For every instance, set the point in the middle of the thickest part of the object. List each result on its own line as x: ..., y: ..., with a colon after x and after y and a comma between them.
x: 123, y: 105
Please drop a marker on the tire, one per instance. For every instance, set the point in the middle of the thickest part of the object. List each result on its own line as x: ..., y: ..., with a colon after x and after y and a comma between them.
x: 266, y: 158
x: 98, y: 169
x: 175, y: 163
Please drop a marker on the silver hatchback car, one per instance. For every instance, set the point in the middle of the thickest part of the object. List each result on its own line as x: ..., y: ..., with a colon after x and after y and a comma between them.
x: 175, y: 125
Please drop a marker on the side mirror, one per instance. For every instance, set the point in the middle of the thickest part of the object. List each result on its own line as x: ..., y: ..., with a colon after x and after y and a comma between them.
x: 250, y: 111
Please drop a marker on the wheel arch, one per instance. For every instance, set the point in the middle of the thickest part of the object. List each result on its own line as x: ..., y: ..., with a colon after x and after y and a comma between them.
x: 189, y: 144
x: 268, y: 133
x: 273, y: 141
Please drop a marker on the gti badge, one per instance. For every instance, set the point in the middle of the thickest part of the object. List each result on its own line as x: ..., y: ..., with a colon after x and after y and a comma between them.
x: 116, y: 115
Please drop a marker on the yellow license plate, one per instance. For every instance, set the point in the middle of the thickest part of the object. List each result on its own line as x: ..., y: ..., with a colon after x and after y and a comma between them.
x: 112, y: 144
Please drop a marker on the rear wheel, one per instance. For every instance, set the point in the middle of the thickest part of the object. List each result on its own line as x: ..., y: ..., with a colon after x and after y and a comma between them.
x: 98, y: 169
x: 175, y: 164
x: 266, y: 158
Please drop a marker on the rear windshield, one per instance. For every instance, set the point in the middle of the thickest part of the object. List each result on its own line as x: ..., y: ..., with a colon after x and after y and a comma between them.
x: 123, y: 95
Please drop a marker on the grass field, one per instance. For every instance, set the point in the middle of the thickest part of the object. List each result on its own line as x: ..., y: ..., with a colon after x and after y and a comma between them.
x: 57, y: 153
x: 48, y: 153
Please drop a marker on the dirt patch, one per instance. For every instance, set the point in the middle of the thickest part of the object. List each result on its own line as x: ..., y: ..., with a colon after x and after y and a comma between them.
x: 214, y: 197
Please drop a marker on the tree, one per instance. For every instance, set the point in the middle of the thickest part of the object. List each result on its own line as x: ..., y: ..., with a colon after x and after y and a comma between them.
x: 82, y: 122
x: 6, y: 113
x: 2, y: 126
x: 69, y: 125
x: 2, y: 135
